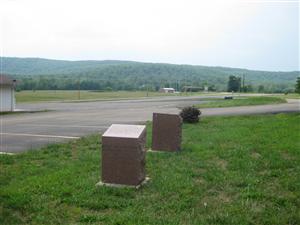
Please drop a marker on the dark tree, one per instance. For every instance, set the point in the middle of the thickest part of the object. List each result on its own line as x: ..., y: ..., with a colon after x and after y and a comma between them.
x: 234, y: 84
x: 297, y: 90
x: 248, y: 88
x: 261, y: 88
x: 212, y: 88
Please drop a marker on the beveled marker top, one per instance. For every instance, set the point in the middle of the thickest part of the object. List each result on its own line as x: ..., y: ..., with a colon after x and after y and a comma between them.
x: 124, y: 131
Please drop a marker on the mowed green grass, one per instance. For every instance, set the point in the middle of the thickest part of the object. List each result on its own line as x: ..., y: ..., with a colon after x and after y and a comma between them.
x: 241, y: 101
x: 69, y: 95
x: 231, y: 170
x: 42, y: 96
x: 291, y: 96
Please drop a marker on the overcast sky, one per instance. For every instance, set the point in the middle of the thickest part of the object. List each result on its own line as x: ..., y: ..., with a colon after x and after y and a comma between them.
x: 261, y: 35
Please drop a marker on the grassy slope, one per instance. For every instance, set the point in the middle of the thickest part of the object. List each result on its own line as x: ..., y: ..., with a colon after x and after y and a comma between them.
x: 41, y: 96
x: 291, y: 96
x: 50, y: 95
x: 242, y: 102
x: 232, y: 170
x: 7, y: 113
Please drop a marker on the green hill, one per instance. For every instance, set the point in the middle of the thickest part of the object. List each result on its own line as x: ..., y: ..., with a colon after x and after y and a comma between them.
x: 37, y: 73
x: 39, y: 66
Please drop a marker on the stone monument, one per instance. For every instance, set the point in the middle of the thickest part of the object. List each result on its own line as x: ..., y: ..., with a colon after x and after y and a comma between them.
x: 123, y: 155
x: 166, y: 132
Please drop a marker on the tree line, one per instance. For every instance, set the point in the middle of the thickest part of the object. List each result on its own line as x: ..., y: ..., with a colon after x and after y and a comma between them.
x: 232, y: 83
x: 44, y: 74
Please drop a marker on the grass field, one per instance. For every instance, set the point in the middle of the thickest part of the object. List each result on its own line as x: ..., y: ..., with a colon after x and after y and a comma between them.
x: 7, y: 113
x: 42, y: 96
x: 291, y: 96
x: 51, y: 95
x: 242, y: 101
x: 231, y: 170
x: 21, y: 112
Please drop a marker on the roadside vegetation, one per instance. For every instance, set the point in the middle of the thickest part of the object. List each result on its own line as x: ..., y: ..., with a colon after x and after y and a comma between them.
x: 7, y: 113
x: 21, y: 112
x: 241, y: 101
x: 231, y: 170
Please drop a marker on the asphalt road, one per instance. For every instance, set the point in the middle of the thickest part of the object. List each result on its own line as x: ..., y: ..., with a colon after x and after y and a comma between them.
x: 66, y: 121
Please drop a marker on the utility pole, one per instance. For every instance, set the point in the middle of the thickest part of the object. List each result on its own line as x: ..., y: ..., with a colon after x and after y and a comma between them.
x: 78, y: 86
x: 243, y: 82
x: 240, y: 86
x: 147, y: 90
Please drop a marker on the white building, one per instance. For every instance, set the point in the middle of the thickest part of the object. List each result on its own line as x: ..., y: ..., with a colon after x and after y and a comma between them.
x: 7, y: 94
x: 167, y: 90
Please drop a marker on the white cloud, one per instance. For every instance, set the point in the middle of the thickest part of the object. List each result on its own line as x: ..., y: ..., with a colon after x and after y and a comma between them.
x: 176, y: 31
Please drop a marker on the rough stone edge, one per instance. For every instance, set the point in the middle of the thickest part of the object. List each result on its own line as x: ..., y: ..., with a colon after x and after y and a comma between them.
x: 100, y: 183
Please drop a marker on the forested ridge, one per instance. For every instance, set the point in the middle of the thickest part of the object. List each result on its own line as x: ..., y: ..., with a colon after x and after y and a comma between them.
x: 45, y: 74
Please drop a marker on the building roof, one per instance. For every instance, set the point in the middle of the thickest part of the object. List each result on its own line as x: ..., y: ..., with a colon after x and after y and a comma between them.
x: 168, y: 89
x: 4, y: 79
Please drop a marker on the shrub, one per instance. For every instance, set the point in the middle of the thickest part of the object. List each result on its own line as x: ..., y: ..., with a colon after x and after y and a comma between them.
x: 190, y: 114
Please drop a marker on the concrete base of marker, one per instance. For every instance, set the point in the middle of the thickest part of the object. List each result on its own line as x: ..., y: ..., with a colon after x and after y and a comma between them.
x: 101, y: 184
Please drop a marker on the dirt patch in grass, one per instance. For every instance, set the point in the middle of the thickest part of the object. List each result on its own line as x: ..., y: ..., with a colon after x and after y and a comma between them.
x: 220, y: 163
x: 255, y: 155
x: 285, y: 155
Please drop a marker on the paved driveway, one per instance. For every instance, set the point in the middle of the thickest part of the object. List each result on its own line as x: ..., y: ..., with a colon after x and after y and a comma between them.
x: 67, y: 121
